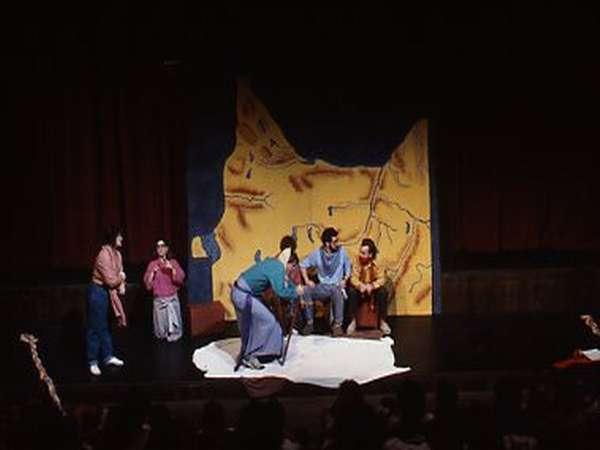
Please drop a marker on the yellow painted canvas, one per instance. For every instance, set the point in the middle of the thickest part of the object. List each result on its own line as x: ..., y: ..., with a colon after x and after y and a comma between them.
x: 271, y: 191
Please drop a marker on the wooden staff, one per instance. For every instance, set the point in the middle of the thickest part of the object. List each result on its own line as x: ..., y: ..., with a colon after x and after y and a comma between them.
x: 31, y: 340
x: 296, y: 307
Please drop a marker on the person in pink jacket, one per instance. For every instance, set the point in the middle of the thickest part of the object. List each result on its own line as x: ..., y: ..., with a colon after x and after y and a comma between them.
x: 164, y: 276
x: 108, y: 283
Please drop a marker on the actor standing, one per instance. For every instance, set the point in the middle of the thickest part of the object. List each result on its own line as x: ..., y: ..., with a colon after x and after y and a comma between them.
x: 164, y: 276
x: 108, y: 282
x: 261, y: 333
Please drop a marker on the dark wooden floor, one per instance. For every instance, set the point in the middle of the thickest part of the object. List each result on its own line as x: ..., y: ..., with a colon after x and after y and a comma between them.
x: 473, y: 352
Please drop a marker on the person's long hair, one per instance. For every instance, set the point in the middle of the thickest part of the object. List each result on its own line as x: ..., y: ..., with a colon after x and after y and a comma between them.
x: 110, y: 235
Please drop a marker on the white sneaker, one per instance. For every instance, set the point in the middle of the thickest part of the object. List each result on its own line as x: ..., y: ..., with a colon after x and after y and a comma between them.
x: 95, y: 370
x: 351, y: 328
x: 385, y: 328
x: 114, y: 361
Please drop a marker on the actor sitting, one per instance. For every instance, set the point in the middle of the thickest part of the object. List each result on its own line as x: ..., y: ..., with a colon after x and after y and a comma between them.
x: 333, y: 269
x: 366, y: 284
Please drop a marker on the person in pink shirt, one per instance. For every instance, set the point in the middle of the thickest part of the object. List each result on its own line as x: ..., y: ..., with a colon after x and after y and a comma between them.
x: 164, y: 276
x: 108, y: 282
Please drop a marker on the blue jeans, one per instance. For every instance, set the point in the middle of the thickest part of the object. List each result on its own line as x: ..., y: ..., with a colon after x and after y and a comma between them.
x: 324, y: 291
x: 98, y: 339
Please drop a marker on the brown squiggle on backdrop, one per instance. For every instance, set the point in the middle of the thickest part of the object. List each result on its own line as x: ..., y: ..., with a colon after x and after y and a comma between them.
x: 295, y: 183
x: 306, y: 182
x: 282, y: 159
x: 384, y: 177
x: 411, y: 246
x: 242, y: 208
x: 369, y: 229
x: 423, y: 294
x: 236, y: 167
x: 398, y: 161
x: 371, y: 175
x: 266, y: 152
x: 222, y: 234
x: 268, y: 158
x: 404, y: 270
x: 246, y: 191
x: 247, y: 134
x: 241, y: 218
x: 377, y: 202
x: 302, y: 181
x: 319, y: 171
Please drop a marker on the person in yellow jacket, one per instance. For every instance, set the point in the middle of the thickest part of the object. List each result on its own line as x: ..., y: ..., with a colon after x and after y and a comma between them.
x: 367, y: 284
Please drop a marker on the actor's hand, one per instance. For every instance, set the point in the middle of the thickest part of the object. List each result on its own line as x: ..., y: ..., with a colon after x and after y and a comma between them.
x: 300, y: 289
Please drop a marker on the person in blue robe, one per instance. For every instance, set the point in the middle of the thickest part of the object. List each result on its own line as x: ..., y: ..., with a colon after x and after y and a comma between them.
x: 261, y: 333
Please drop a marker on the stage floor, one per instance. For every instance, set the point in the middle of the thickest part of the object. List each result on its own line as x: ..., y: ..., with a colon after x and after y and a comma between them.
x: 473, y: 352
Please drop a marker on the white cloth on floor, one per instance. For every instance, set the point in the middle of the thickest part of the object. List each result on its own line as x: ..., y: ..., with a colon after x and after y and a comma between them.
x: 592, y: 354
x: 320, y: 360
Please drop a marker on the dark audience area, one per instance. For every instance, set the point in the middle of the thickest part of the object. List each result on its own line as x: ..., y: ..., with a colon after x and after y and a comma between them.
x: 560, y: 414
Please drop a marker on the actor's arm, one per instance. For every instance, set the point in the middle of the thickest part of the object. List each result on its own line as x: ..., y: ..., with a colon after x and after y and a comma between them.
x: 355, y: 278
x: 378, y: 278
x: 278, y: 284
x: 178, y: 274
x: 150, y: 274
x: 347, y: 268
x: 305, y: 264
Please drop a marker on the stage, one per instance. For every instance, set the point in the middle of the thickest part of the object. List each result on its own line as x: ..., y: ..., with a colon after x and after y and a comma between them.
x: 472, y: 352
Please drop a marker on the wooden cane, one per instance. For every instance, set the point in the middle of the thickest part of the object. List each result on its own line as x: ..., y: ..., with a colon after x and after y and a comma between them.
x: 290, y: 332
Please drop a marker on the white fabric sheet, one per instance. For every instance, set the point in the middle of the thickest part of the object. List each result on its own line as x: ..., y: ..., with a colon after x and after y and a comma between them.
x: 320, y: 360
x: 592, y: 354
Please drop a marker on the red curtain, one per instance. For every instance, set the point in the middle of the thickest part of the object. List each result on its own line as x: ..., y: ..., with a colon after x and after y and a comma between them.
x: 94, y: 146
x: 522, y: 191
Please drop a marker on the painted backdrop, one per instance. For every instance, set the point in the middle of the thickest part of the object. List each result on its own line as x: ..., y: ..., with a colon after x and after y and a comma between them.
x: 269, y: 190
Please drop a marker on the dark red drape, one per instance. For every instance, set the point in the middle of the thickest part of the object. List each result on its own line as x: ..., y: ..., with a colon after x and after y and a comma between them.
x: 94, y: 146
x: 529, y: 191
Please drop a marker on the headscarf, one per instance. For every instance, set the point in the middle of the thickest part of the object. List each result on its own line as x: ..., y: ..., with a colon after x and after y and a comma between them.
x: 284, y: 256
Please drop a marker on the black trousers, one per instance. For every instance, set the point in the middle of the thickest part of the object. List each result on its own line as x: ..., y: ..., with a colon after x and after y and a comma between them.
x: 354, y: 296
